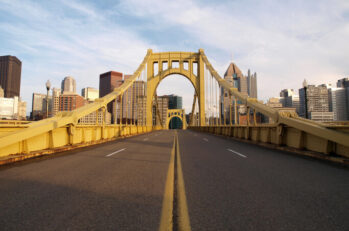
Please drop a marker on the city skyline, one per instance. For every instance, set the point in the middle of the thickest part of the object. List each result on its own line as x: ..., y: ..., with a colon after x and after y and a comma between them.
x: 298, y: 40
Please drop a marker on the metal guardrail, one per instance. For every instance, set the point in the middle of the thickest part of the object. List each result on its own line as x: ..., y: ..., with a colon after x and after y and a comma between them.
x: 281, y: 136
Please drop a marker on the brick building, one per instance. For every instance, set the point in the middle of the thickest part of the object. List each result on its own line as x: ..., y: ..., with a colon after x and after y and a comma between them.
x: 69, y: 102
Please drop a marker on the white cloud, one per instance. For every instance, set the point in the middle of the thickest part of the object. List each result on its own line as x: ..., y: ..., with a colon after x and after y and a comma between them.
x: 58, y: 46
x: 284, y: 42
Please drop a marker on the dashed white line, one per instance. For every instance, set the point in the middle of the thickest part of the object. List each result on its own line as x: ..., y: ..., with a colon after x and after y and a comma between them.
x: 115, y: 152
x: 205, y: 139
x: 237, y: 153
x: 145, y: 139
x: 195, y: 134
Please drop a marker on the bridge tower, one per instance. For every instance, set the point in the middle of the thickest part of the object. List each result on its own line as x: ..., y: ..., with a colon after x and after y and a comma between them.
x: 188, y: 64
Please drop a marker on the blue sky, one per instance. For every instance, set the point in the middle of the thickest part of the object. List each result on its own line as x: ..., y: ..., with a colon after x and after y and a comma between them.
x: 283, y: 41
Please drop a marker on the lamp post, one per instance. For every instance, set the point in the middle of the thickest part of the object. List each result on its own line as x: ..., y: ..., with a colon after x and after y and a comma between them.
x: 48, y: 86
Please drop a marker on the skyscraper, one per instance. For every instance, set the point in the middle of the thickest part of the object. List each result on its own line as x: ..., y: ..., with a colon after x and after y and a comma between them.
x: 10, y: 75
x: 131, y: 101
x: 107, y: 82
x: 174, y: 102
x: 344, y: 83
x: 246, y: 85
x: 314, y: 103
x: 38, y: 106
x: 337, y: 103
x: 252, y: 84
x: 68, y: 85
x: 56, y: 92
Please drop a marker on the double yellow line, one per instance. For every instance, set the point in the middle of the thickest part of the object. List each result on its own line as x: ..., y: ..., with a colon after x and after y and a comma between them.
x: 174, y: 215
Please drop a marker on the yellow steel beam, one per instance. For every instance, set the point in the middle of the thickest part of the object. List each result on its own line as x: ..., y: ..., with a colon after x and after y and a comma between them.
x: 71, y: 117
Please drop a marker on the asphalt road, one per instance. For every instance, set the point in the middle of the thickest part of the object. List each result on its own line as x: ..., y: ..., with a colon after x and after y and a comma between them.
x: 229, y: 185
x: 232, y: 185
x: 97, y: 188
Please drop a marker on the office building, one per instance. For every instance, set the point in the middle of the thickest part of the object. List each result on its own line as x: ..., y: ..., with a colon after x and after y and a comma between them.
x: 246, y: 85
x: 2, y: 92
x: 337, y: 98
x: 70, y: 102
x: 38, y: 106
x: 174, y: 102
x: 234, y: 76
x: 107, y: 82
x: 313, y: 99
x: 132, y: 103
x: 10, y: 75
x: 22, y: 110
x: 236, y: 79
x: 252, y: 84
x: 12, y: 108
x: 68, y: 85
x: 290, y: 98
x: 321, y: 116
x: 162, y: 103
x: 90, y: 94
x: 56, y: 92
x: 344, y: 83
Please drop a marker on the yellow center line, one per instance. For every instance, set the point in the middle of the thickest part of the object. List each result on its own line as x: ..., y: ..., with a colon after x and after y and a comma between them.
x: 183, y: 214
x: 180, y: 201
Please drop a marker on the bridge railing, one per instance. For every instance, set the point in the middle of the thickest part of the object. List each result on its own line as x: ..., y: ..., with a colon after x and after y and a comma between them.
x: 289, y: 129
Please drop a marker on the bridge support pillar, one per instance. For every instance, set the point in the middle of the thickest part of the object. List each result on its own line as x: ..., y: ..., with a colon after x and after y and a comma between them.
x: 201, y: 97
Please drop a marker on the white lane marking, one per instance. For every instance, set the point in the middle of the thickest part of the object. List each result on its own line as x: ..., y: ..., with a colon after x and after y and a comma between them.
x: 145, y: 139
x: 195, y: 134
x: 156, y: 134
x: 237, y: 153
x: 205, y: 139
x: 115, y: 152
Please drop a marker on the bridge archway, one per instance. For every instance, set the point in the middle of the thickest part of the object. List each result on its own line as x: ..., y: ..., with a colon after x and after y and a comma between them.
x: 176, y: 113
x: 187, y: 64
x: 175, y: 123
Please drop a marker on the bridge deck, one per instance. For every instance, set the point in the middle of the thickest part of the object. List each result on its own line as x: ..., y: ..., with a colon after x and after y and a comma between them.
x: 120, y: 186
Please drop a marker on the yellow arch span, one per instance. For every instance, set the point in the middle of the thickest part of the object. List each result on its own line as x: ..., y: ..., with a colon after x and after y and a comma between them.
x: 179, y: 113
x: 188, y: 64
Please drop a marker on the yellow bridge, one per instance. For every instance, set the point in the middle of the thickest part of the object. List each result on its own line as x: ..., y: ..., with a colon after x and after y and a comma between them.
x: 64, y: 131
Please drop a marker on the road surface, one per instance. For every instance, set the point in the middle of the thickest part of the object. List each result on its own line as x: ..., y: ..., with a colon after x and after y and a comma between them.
x: 120, y: 185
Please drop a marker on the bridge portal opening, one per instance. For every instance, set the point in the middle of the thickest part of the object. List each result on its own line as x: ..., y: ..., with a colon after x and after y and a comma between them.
x: 171, y: 86
x: 175, y: 123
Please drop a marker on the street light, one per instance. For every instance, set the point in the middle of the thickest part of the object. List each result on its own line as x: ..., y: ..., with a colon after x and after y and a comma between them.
x: 48, y: 86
